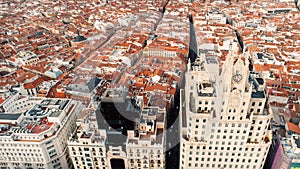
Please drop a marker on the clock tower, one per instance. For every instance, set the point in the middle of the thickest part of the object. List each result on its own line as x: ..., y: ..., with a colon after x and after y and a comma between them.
x: 224, y: 117
x: 240, y: 71
x: 235, y: 82
x: 236, y: 71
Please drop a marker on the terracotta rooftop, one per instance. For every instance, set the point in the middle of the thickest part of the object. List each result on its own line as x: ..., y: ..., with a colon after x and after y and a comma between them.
x: 34, y: 84
x: 293, y: 127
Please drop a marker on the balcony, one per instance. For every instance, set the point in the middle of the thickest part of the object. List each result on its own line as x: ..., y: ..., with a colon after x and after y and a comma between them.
x: 206, y: 90
x: 204, y: 111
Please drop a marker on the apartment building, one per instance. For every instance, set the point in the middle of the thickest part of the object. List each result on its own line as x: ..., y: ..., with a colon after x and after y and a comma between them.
x: 147, y: 148
x: 106, y: 148
x: 37, y: 137
x: 87, y: 144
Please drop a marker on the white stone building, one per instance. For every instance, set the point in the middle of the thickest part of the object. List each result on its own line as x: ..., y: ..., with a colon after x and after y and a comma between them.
x: 23, y: 58
x: 18, y: 103
x: 87, y: 144
x: 224, y: 122
x: 215, y: 16
x: 37, y: 138
x: 145, y: 146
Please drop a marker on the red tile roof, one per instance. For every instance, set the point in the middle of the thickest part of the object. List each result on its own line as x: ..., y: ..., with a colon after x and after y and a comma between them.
x: 34, y: 84
x: 1, y: 100
x: 293, y: 127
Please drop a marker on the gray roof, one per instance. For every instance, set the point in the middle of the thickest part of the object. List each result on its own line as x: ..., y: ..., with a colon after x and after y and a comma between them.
x: 85, y: 88
x: 92, y: 83
x: 6, y: 116
x: 258, y: 94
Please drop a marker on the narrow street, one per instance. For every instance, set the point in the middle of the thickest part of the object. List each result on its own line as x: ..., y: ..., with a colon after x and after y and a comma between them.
x: 92, y: 52
x: 173, y: 133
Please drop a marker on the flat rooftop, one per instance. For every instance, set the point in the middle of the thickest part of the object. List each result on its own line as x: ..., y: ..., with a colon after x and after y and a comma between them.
x: 55, y: 113
x: 7, y: 116
x: 258, y: 94
x: 35, y: 120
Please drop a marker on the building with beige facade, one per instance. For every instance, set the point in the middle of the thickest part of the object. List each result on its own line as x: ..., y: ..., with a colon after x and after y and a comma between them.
x: 87, y: 143
x: 142, y: 148
x: 37, y: 137
x: 224, y: 118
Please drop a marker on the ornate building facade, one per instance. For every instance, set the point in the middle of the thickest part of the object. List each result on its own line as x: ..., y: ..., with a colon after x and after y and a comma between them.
x: 224, y: 118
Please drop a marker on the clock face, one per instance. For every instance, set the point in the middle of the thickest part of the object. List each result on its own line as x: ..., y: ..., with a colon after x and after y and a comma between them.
x: 237, y: 77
